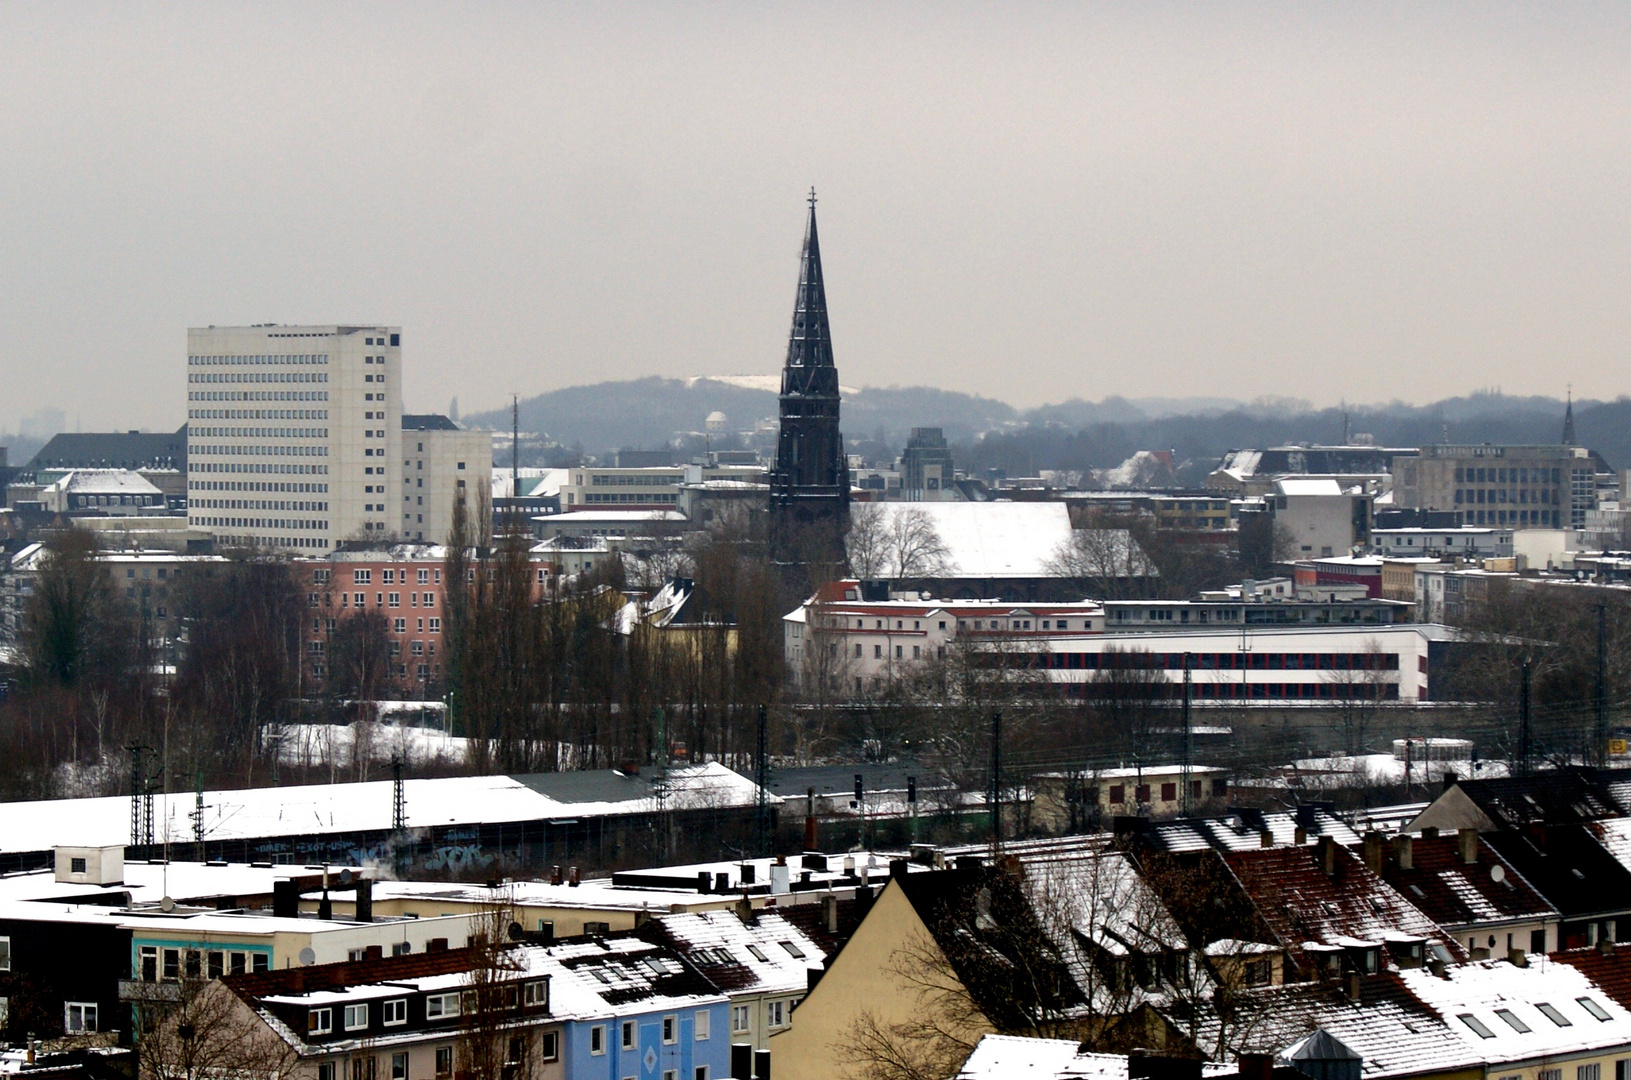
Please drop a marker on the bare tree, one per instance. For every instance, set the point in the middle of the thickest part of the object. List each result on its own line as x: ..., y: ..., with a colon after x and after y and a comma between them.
x: 1104, y: 559
x: 867, y: 541
x: 1359, y: 684
x: 206, y: 1034
x: 491, y: 1045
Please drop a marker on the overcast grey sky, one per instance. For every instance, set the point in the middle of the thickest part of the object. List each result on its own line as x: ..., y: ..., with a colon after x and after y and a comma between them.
x: 1028, y: 201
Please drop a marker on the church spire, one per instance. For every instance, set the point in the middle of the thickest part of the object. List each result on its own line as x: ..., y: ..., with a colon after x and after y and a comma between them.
x: 1568, y: 420
x: 809, y: 345
x: 809, y: 487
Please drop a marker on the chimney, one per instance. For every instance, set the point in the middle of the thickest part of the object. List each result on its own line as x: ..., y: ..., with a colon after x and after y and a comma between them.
x: 741, y: 1061
x: 829, y: 913
x: 748, y: 873
x: 1517, y: 958
x: 365, y: 902
x: 1450, y: 779
x: 572, y: 878
x: 436, y: 944
x: 1404, y: 851
x: 705, y: 881
x: 722, y: 882
x: 1467, y: 842
x: 1373, y: 852
x: 897, y: 868
x: 374, y: 952
x: 1436, y: 966
x: 555, y: 874
x: 761, y: 1064
x: 325, y: 906
x: 1355, y: 986
x: 1255, y: 1066
x: 1298, y: 836
x: 1265, y: 839
x: 1605, y: 946
x: 744, y: 910
x: 286, y: 898
x: 1328, y: 856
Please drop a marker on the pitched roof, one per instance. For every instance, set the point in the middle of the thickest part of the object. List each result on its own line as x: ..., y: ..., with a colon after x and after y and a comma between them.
x: 737, y: 956
x: 1302, y: 903
x: 1568, y: 866
x: 113, y: 450
x: 1452, y: 892
x: 1555, y: 796
x: 428, y: 422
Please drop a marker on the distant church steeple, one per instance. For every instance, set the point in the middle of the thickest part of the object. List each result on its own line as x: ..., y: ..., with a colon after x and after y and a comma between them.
x: 809, y: 487
x: 1568, y: 421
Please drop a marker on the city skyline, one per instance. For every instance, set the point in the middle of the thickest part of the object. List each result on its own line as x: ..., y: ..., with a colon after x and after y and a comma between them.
x: 1030, y: 204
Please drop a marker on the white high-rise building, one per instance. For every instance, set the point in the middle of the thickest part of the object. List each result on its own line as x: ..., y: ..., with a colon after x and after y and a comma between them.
x: 294, y: 433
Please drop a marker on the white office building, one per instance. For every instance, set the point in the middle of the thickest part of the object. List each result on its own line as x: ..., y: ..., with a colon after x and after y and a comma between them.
x: 440, y: 462
x: 294, y: 433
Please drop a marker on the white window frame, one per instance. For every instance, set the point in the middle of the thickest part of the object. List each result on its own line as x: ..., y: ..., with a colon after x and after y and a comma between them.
x: 744, y: 1013
x: 597, y: 1039
x: 671, y: 1029
x: 630, y: 1035
x: 535, y: 992
x: 446, y: 1006
x: 394, y: 1012
x: 701, y: 1024
x: 319, y: 1021
x: 550, y: 1046
x: 775, y: 1014
x: 86, y: 1010
x: 349, y: 1018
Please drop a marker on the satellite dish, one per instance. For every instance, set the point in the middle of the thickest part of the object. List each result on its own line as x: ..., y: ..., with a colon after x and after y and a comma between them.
x: 167, y: 905
x: 308, y: 956
x: 517, y: 932
x: 345, y: 877
x: 1497, y: 873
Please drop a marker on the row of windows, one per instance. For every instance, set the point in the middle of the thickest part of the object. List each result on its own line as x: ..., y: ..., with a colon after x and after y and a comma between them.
x: 264, y: 433
x: 260, y: 504
x: 262, y: 360
x: 1234, y: 691
x: 155, y: 964
x: 296, y: 524
x: 1512, y: 517
x: 616, y: 480
x: 631, y: 497
x: 1169, y: 791
x: 1524, y: 496
x: 266, y: 451
x: 259, y: 377
x: 240, y: 485
x: 1229, y: 661
x: 388, y: 576
x: 1508, y: 476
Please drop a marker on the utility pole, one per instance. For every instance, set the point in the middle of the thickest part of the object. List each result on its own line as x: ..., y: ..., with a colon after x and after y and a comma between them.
x: 399, y: 800
x: 1523, y: 722
x: 911, y: 804
x: 515, y: 457
x: 994, y: 797
x: 1599, y: 753
x: 1185, y: 800
x: 762, y: 778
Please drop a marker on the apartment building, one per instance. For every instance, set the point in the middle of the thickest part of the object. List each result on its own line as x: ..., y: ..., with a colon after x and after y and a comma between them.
x: 293, y: 433
x: 440, y: 462
x: 654, y: 487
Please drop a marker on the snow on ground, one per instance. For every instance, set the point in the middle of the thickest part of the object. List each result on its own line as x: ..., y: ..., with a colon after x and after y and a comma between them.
x: 344, y: 745
x: 1345, y: 771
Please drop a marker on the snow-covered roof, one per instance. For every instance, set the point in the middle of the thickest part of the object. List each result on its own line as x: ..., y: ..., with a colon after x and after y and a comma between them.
x: 1519, y: 1008
x: 768, y: 956
x: 992, y: 540
x: 318, y: 809
x: 1002, y: 1057
x: 105, y: 482
x: 1296, y: 486
x: 147, y: 882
